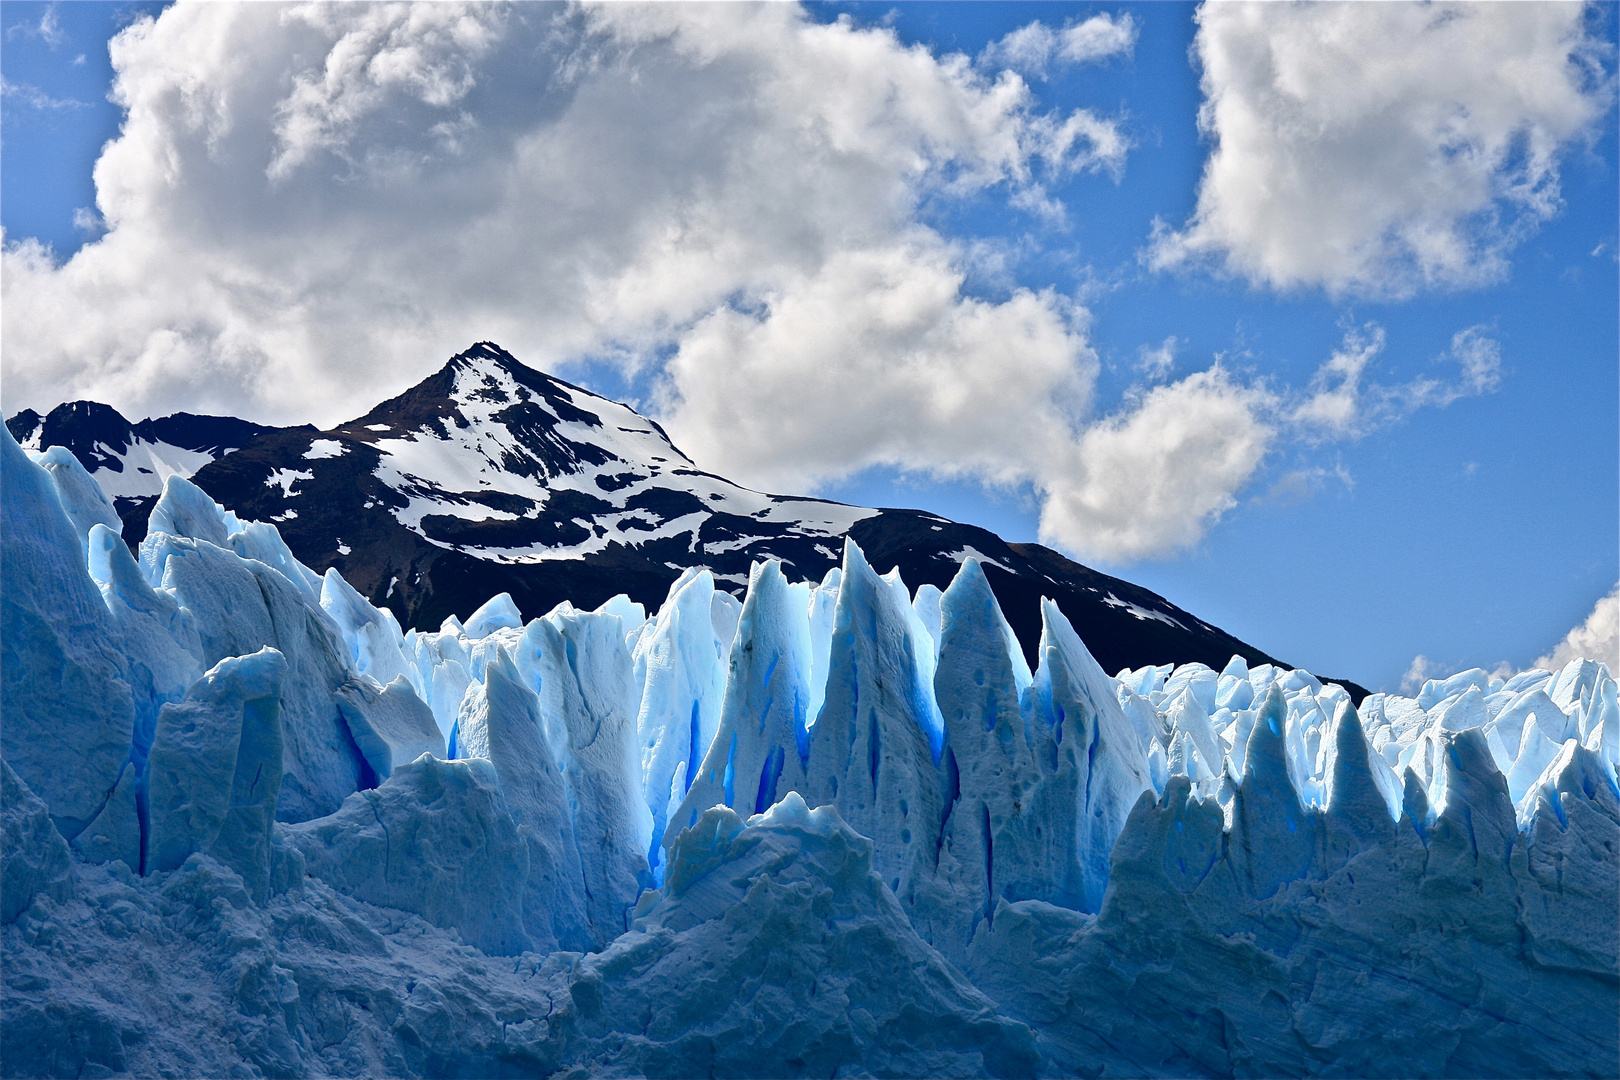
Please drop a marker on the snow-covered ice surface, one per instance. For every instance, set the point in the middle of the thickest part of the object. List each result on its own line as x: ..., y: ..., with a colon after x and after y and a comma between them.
x: 251, y: 828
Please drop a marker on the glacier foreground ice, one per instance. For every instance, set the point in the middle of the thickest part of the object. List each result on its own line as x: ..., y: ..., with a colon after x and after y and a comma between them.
x: 248, y: 827
x: 437, y: 840
x: 1415, y: 949
x: 33, y: 853
x: 776, y: 949
x: 780, y: 953
x: 215, y: 769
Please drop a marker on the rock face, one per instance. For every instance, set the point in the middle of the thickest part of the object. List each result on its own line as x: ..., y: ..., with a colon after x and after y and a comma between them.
x: 491, y: 477
x: 903, y: 851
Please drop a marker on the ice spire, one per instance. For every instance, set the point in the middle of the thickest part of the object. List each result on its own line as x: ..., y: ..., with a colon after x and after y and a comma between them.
x: 684, y: 685
x: 989, y: 762
x: 875, y: 748
x: 1093, y: 767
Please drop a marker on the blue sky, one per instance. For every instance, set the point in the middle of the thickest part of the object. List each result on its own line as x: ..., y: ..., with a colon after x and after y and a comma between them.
x: 1471, y: 523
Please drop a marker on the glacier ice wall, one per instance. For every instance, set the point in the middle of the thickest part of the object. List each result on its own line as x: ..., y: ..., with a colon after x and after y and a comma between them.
x: 251, y: 828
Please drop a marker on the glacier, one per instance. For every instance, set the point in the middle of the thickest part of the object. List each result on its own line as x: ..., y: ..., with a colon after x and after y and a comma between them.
x: 253, y: 828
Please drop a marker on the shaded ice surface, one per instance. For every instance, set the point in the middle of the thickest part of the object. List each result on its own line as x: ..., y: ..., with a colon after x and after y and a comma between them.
x: 252, y: 829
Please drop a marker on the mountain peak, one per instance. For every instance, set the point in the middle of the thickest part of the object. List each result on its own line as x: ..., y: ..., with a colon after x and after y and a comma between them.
x: 507, y: 417
x: 488, y: 351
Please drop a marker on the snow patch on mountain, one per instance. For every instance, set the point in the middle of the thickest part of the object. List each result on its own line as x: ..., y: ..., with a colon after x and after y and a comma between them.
x: 323, y: 448
x: 1141, y: 612
x: 286, y: 479
x: 965, y: 553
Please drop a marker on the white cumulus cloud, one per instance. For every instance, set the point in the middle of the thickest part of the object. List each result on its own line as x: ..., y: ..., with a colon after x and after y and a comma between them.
x: 1420, y: 671
x: 876, y: 358
x: 1152, y: 478
x: 1379, y: 149
x: 1598, y: 638
x: 33, y: 97
x: 310, y: 206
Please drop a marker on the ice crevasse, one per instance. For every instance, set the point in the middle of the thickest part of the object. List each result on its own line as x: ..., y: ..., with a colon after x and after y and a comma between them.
x: 253, y: 828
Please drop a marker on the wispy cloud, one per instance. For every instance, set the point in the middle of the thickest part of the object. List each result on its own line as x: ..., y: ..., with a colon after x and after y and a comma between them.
x: 1343, y: 403
x: 34, y: 98
x: 1301, y: 485
x: 48, y: 29
x: 1157, y: 362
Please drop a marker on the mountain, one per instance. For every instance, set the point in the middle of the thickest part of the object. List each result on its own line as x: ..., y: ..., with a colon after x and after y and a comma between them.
x: 131, y: 461
x: 491, y: 477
